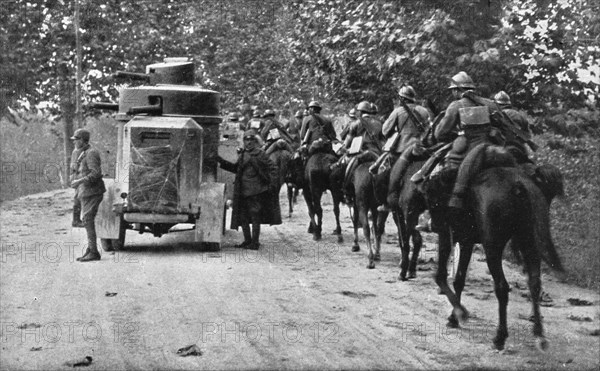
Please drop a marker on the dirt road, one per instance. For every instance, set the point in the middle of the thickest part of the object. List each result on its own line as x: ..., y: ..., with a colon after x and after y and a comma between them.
x: 295, y: 304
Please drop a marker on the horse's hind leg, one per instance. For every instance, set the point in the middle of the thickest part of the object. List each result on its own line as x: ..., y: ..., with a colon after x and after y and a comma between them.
x: 337, y: 199
x: 311, y: 211
x: 290, y: 196
x: 379, y: 224
x: 355, y: 246
x: 441, y: 278
x: 403, y: 241
x: 411, y: 223
x: 319, y: 214
x: 466, y: 250
x: 493, y: 252
x: 532, y: 266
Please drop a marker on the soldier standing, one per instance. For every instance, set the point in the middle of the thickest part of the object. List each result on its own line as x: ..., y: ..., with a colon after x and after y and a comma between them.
x: 90, y: 188
x: 254, y: 202
x: 77, y: 223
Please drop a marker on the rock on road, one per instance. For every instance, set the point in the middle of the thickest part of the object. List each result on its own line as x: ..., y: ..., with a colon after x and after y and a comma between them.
x: 295, y: 304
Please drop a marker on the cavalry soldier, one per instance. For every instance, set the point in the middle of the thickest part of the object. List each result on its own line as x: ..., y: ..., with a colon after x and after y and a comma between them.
x: 368, y: 128
x: 317, y: 128
x: 273, y: 132
x: 293, y: 128
x: 519, y: 139
x: 467, y: 125
x: 255, y: 122
x: 89, y: 188
x: 255, y: 201
x: 405, y: 124
x: 352, y: 116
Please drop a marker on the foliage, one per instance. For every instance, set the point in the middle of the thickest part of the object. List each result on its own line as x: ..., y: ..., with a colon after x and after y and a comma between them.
x: 554, y: 44
x: 575, y: 223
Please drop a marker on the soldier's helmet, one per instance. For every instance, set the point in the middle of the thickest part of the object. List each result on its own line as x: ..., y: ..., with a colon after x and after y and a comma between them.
x: 269, y: 113
x: 502, y: 98
x: 461, y: 80
x: 81, y: 134
x: 299, y: 114
x: 352, y: 113
x: 407, y: 92
x: 314, y: 104
x: 364, y: 106
x: 374, y: 109
x: 256, y: 113
x: 233, y: 116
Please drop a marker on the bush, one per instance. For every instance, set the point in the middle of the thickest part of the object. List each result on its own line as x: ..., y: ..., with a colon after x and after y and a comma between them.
x: 575, y: 222
x: 33, y: 156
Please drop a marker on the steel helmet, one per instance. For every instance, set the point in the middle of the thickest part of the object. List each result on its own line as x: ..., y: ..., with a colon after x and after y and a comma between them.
x: 269, y: 112
x: 407, y: 92
x: 314, y: 103
x: 81, y: 134
x: 461, y: 80
x: 374, y: 108
x: 352, y: 113
x: 502, y: 98
x: 299, y: 114
x: 256, y: 113
x: 233, y: 116
x: 364, y: 106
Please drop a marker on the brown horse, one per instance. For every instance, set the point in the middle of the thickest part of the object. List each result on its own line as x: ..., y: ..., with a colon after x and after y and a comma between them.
x: 411, y: 203
x: 282, y: 160
x: 503, y: 204
x: 362, y: 194
x: 317, y: 180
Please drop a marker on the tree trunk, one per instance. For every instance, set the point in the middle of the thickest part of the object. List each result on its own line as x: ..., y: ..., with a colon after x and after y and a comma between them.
x: 67, y: 106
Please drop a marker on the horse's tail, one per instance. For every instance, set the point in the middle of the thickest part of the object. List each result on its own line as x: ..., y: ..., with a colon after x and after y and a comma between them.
x: 535, y: 219
x: 550, y: 180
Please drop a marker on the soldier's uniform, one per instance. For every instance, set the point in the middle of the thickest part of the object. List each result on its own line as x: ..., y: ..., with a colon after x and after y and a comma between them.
x: 90, y: 188
x: 402, y: 122
x: 516, y: 145
x: 316, y: 127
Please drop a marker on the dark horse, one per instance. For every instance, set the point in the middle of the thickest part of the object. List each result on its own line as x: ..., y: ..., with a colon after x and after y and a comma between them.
x: 364, y: 202
x: 317, y: 179
x: 282, y: 158
x: 411, y: 203
x: 504, y: 204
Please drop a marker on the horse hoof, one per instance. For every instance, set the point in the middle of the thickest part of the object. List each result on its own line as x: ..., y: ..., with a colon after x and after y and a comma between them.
x: 371, y: 265
x: 340, y: 239
x: 402, y: 278
x: 316, y: 237
x: 460, y: 314
x: 452, y: 323
x: 499, y: 343
x: 355, y: 248
x: 541, y: 344
x: 290, y: 215
x: 377, y: 257
x: 412, y: 274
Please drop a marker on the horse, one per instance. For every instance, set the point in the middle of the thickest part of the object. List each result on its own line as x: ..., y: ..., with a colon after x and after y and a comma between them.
x: 503, y: 204
x: 411, y: 203
x: 317, y: 180
x: 282, y: 158
x: 362, y: 194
